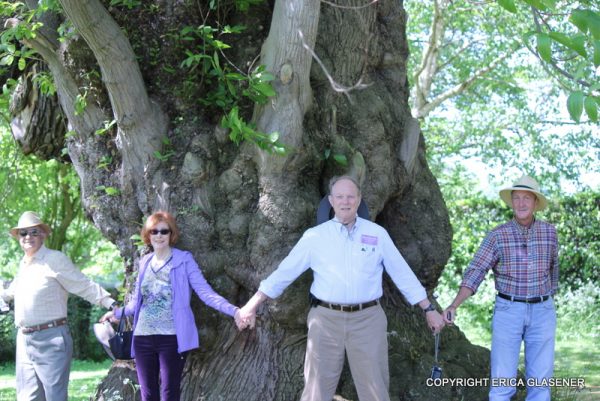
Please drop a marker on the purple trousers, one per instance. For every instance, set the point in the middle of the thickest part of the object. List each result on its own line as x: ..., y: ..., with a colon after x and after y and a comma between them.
x: 156, y: 357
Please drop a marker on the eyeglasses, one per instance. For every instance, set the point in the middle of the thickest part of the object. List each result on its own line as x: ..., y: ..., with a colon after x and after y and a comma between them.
x: 165, y: 231
x: 34, y: 232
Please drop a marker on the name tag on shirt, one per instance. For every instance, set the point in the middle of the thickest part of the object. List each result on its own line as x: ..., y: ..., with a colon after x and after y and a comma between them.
x: 368, y: 239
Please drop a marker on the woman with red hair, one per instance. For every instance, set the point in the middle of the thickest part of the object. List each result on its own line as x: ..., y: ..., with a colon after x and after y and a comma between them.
x: 164, y: 328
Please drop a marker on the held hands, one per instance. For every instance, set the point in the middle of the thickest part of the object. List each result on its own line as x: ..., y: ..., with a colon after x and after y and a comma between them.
x: 246, y: 316
x: 109, y: 316
x: 449, y: 315
x: 435, y: 321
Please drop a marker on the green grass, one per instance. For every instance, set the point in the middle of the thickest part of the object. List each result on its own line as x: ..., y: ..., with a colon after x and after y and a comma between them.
x: 85, y: 377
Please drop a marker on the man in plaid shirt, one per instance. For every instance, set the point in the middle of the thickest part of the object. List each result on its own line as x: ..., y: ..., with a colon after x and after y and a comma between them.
x: 523, y: 254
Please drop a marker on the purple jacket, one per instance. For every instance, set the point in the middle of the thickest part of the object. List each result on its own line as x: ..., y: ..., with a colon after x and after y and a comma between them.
x: 185, y: 276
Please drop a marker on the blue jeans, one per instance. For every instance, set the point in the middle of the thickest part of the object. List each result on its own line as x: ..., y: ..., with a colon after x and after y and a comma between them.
x: 513, y: 323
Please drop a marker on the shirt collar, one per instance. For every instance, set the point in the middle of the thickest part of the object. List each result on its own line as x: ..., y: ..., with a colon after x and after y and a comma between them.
x: 39, y: 255
x: 523, y: 229
x: 342, y: 229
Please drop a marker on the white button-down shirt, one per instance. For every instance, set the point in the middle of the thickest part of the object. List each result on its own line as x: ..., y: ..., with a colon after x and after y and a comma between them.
x: 42, y: 286
x: 347, y: 266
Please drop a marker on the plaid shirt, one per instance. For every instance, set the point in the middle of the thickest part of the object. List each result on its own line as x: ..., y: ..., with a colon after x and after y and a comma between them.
x: 524, y: 261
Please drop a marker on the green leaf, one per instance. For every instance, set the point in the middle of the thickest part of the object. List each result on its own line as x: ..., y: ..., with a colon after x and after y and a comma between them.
x: 233, y: 29
x: 266, y: 76
x: 551, y: 4
x: 561, y: 38
x: 578, y: 44
x: 544, y: 47
x: 537, y: 4
x: 591, y: 108
x: 22, y: 64
x: 112, y: 191
x: 235, y: 76
x: 265, y: 89
x: 221, y: 45
x: 508, y: 5
x: 594, y: 24
x: 575, y: 105
x: 280, y: 150
x: 596, y: 53
x: 340, y: 159
x: 273, y: 136
x: 7, y: 60
x: 216, y: 64
x: 579, y: 18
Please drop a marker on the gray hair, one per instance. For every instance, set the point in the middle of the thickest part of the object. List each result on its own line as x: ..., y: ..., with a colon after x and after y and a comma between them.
x: 335, y: 179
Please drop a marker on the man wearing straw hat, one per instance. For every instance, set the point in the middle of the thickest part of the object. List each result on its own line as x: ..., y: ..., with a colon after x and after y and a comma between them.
x: 523, y: 255
x: 40, y: 291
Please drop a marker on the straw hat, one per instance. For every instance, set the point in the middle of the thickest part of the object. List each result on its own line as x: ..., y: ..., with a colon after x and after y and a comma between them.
x: 27, y: 220
x: 525, y: 183
x: 104, y: 332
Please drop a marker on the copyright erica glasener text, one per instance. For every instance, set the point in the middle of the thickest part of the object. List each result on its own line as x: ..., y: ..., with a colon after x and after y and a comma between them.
x: 507, y: 382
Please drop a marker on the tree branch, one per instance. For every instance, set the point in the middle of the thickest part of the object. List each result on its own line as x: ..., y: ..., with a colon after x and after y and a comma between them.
x: 424, y: 74
x: 428, y: 107
x: 141, y: 123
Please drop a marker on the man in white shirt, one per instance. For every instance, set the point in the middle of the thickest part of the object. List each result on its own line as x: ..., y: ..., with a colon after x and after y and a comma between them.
x: 40, y: 291
x: 347, y: 255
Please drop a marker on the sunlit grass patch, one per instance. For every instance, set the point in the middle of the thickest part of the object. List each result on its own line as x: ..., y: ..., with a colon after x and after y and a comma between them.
x: 85, y: 377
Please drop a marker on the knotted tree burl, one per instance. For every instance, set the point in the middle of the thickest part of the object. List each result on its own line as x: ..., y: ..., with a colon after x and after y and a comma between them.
x: 142, y: 133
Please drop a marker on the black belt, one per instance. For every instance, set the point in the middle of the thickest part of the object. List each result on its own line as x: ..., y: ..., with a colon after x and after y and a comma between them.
x: 347, y: 308
x: 44, y: 326
x: 533, y: 300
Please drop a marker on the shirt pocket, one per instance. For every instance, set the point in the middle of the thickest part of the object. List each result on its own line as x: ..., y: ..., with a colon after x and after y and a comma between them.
x: 366, y: 258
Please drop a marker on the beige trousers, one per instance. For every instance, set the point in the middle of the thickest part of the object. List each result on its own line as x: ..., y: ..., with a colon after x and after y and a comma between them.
x: 362, y: 336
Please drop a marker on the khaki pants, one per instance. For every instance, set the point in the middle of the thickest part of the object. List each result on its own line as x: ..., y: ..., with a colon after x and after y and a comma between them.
x: 362, y: 336
x: 43, y: 364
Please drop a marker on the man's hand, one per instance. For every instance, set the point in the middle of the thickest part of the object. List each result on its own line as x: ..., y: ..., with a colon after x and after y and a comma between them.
x: 449, y: 315
x: 435, y: 321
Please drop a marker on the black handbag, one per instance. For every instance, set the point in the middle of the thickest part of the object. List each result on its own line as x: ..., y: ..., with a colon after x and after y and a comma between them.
x: 120, y: 344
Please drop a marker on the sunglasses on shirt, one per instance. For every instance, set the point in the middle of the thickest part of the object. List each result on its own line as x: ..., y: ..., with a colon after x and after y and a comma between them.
x: 161, y: 232
x: 34, y: 232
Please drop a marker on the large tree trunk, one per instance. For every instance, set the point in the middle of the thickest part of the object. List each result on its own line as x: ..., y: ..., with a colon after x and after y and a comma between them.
x: 240, y: 209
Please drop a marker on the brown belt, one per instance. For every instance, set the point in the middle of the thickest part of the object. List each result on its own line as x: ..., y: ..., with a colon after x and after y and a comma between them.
x: 44, y: 326
x: 347, y: 308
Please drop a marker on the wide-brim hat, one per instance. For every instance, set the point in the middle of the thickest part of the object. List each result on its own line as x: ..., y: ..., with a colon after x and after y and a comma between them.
x: 27, y: 220
x: 525, y: 183
x: 104, y: 332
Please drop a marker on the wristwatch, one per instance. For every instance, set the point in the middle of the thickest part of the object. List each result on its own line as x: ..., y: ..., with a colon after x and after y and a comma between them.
x: 113, y: 306
x: 429, y: 308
